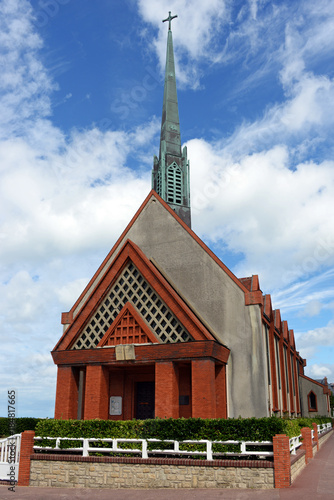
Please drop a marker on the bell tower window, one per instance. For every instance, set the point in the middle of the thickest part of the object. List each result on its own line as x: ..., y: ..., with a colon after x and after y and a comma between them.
x: 174, y: 184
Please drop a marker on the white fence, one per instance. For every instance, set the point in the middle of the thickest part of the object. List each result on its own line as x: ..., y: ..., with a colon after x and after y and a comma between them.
x: 9, y: 457
x: 296, y: 441
x: 324, y: 428
x: 206, y: 448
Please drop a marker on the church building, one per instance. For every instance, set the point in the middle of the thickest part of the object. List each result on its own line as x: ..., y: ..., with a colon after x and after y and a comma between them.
x: 165, y: 329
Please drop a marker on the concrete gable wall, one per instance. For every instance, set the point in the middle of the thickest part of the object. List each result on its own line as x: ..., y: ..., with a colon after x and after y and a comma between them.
x: 306, y: 386
x: 213, y: 294
x: 217, y: 299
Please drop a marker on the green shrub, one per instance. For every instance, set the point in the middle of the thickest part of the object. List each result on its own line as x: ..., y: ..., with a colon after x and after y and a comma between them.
x: 20, y: 424
x: 181, y: 429
x: 251, y: 429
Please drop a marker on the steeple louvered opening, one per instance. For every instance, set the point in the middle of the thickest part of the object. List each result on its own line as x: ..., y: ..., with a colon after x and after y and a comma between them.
x: 174, y: 184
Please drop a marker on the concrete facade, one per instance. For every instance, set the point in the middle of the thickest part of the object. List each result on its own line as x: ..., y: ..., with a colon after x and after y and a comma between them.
x: 256, y: 372
x: 215, y: 297
x: 316, y: 404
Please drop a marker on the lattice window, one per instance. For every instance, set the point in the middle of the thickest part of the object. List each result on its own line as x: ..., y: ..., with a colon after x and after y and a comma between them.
x: 132, y: 287
x: 174, y: 184
x: 127, y: 331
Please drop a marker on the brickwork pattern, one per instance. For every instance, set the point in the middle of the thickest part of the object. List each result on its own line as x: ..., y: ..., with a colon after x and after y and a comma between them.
x: 282, y: 465
x: 123, y: 475
x: 167, y: 390
x: 27, y: 443
x: 307, y: 443
x: 66, y: 394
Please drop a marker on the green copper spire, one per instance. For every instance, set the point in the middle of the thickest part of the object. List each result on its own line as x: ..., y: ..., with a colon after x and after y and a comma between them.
x: 170, y: 175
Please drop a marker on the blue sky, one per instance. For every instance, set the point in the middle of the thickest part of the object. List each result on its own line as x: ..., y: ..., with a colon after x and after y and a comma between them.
x: 81, y: 87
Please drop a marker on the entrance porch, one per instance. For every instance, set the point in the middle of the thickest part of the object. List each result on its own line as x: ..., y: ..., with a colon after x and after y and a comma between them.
x: 159, y: 380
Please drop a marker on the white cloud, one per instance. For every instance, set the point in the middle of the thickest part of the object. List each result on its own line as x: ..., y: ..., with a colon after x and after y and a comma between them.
x: 317, y: 371
x: 24, y: 82
x: 318, y: 337
x: 191, y: 45
x: 275, y: 216
x: 312, y: 308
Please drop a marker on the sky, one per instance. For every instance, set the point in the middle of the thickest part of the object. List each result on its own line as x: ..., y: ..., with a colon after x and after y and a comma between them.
x: 81, y: 87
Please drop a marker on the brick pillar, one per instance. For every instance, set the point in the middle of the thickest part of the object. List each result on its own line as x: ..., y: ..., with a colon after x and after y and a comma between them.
x: 282, y: 467
x: 306, y: 433
x: 96, y: 401
x: 316, y: 437
x: 203, y: 388
x: 221, y: 398
x: 27, y: 443
x: 166, y: 390
x: 66, y: 394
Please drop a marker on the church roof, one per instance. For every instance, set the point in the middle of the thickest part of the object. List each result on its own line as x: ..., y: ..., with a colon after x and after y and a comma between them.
x: 77, y: 319
x: 170, y: 124
x: 68, y: 317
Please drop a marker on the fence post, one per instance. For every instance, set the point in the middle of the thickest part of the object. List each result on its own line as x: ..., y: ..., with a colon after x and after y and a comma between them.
x: 316, y: 435
x: 27, y: 448
x: 306, y: 433
x: 282, y: 467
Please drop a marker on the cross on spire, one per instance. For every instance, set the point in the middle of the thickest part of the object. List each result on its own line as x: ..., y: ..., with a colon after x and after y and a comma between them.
x: 169, y: 19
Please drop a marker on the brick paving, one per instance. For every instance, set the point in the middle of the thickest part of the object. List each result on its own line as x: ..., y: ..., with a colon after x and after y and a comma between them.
x: 315, y: 482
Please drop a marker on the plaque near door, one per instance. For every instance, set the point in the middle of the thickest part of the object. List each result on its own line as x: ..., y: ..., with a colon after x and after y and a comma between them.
x: 115, y: 407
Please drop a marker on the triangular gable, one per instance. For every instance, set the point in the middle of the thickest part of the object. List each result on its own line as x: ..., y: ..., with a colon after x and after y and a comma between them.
x: 128, y: 328
x: 130, y: 253
x: 152, y: 196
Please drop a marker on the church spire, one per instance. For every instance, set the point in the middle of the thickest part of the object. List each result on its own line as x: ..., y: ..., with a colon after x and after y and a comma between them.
x: 170, y: 175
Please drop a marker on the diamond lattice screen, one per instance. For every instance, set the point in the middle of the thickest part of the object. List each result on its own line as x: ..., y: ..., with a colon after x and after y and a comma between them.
x: 132, y: 287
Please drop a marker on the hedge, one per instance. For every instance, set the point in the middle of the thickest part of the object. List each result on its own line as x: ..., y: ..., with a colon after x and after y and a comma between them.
x: 18, y: 425
x: 251, y: 429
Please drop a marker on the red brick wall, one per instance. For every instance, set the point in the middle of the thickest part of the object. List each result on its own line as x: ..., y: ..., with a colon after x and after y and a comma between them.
x: 96, y: 393
x: 166, y: 390
x: 27, y: 443
x: 221, y: 400
x: 282, y: 468
x: 203, y: 388
x: 306, y: 433
x: 67, y: 393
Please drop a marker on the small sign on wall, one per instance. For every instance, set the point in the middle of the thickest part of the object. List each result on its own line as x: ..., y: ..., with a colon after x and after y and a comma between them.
x: 115, y: 407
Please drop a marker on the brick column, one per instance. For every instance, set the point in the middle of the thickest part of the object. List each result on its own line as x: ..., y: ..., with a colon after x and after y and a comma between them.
x: 66, y: 394
x: 203, y: 388
x: 221, y: 397
x: 96, y: 401
x: 306, y: 433
x: 166, y: 390
x: 282, y: 467
x: 27, y: 443
x: 316, y: 437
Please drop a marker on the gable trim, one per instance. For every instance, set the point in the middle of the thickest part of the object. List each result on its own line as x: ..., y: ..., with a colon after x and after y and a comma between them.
x: 151, y: 196
x: 132, y: 252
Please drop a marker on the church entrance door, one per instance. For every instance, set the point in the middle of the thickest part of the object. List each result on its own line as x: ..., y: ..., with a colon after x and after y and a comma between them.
x: 144, y: 400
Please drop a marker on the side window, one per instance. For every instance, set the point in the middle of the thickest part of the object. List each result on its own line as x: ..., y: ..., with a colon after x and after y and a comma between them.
x: 312, y: 401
